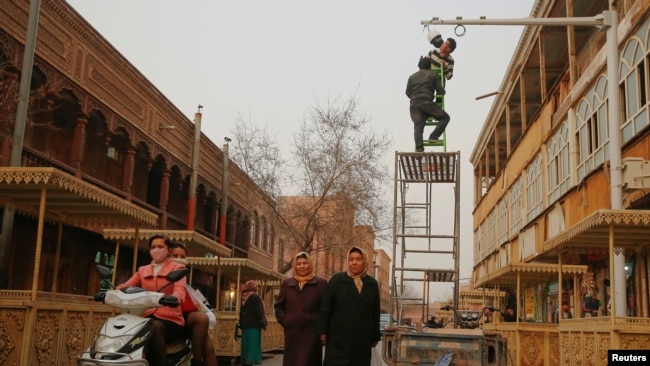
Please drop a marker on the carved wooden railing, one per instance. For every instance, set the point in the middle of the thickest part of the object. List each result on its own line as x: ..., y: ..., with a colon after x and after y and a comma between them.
x: 53, y: 330
x: 56, y: 328
x: 578, y: 341
x: 223, y: 335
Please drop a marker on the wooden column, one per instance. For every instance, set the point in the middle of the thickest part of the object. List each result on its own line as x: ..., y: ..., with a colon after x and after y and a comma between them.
x: 522, y: 98
x: 560, y: 288
x: 517, y: 315
x: 30, y: 315
x: 508, y: 131
x: 57, y: 257
x: 542, y: 65
x: 636, y: 290
x: 571, y: 45
x: 643, y: 268
x: 640, y: 284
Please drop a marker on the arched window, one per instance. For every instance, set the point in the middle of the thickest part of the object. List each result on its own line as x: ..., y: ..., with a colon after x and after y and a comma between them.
x: 633, y: 85
x: 491, y: 231
x: 253, y: 229
x: 516, y: 207
x: 592, y: 135
x: 502, y: 220
x: 269, y: 238
x: 261, y: 235
x: 557, y: 160
x: 534, y: 189
x: 271, y: 235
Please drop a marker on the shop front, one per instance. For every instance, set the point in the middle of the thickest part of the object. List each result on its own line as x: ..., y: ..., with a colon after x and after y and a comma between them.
x: 46, y: 317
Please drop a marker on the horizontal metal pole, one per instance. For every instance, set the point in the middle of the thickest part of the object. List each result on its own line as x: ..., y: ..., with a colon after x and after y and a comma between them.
x: 408, y: 298
x: 597, y: 21
x: 421, y: 280
x: 431, y: 251
x: 425, y: 236
x: 425, y: 270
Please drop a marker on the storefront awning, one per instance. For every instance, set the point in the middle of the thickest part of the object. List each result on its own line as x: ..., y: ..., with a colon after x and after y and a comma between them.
x: 67, y: 199
x: 197, y: 245
x: 247, y: 269
x: 630, y: 228
x: 529, y: 274
x: 481, y: 294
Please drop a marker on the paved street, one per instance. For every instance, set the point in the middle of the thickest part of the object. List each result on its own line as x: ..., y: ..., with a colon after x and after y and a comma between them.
x: 276, y: 360
x: 272, y: 359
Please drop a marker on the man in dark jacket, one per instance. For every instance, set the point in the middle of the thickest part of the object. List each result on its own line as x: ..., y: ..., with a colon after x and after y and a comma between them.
x: 422, y: 88
x: 349, y: 316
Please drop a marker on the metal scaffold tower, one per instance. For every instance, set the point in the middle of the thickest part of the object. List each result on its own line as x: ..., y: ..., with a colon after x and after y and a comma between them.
x: 426, y: 227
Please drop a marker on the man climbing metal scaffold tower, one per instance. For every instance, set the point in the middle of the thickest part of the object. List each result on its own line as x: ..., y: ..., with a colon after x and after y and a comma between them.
x: 422, y: 88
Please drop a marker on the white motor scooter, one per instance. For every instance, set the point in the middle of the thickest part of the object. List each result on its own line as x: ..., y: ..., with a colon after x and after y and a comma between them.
x: 122, y: 338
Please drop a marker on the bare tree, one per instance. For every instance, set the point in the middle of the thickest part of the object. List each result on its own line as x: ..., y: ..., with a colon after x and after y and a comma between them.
x: 258, y: 154
x: 42, y: 101
x: 336, y: 170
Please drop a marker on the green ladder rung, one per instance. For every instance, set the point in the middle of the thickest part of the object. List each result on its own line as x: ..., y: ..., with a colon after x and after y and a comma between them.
x: 442, y: 142
x: 439, y: 143
x: 431, y: 122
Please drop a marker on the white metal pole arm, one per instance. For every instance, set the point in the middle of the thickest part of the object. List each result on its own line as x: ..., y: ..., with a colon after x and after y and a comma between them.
x: 597, y: 21
x: 606, y: 21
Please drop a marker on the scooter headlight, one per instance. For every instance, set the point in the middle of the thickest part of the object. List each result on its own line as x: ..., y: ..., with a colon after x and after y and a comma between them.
x: 107, y: 344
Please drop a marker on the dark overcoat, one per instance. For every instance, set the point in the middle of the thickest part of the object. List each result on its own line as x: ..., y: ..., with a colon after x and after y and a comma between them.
x: 350, y: 320
x: 298, y: 311
x: 251, y: 314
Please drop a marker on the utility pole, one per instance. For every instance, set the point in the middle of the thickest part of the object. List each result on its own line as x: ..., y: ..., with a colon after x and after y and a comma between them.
x: 606, y: 21
x: 224, y: 197
x: 191, y: 202
x: 19, y: 132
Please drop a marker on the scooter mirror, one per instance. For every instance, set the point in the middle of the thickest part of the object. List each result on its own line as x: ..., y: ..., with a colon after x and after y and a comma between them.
x: 104, y: 272
x: 176, y: 275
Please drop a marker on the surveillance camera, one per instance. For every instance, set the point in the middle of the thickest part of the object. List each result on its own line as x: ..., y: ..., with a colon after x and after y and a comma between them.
x: 227, y: 139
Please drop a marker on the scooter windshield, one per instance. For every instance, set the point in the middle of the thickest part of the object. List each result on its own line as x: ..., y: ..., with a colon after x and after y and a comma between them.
x: 120, y: 299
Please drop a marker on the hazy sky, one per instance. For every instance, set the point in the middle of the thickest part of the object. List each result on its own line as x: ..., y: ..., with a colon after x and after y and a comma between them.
x: 271, y: 60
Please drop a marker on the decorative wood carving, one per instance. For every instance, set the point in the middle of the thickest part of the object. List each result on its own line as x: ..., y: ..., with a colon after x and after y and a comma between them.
x: 75, y: 336
x: 531, y: 352
x: 47, y: 337
x: 12, y: 323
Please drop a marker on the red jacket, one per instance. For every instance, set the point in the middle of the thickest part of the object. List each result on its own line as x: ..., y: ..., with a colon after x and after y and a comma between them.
x: 144, y: 278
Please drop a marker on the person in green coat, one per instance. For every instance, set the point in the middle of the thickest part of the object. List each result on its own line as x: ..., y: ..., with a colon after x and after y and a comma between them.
x: 349, y: 315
